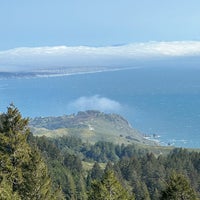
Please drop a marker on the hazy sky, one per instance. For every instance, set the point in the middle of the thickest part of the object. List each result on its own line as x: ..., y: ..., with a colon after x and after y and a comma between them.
x: 31, y: 23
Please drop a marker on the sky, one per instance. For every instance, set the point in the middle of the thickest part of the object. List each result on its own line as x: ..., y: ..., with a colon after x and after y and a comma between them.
x: 36, y: 23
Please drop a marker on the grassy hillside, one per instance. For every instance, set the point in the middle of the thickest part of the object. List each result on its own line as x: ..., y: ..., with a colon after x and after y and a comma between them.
x: 90, y: 126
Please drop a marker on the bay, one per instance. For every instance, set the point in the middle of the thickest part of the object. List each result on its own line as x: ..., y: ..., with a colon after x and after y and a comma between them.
x: 160, y: 101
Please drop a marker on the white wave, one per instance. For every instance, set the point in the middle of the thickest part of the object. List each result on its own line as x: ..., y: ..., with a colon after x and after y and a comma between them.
x: 63, y: 56
x: 95, y: 103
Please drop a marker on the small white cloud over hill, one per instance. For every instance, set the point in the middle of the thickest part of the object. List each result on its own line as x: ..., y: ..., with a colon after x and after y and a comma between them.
x: 95, y: 103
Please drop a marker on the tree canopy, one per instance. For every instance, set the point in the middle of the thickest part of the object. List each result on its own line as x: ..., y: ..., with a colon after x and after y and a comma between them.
x: 23, y: 173
x: 178, y: 188
x: 108, y: 188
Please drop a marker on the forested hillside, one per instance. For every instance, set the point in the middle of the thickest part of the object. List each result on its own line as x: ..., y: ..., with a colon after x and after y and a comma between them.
x: 68, y: 168
x: 144, y: 174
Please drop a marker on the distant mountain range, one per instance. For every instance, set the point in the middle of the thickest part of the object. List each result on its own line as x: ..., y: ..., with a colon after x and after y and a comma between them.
x: 90, y: 126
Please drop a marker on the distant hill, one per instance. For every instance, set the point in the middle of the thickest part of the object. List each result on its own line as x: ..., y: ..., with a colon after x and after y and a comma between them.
x: 91, y: 126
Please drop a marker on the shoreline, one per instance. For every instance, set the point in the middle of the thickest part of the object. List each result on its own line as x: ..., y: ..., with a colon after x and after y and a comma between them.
x: 50, y: 74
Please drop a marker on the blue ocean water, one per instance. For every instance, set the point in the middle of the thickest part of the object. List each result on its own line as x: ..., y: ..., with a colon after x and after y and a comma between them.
x: 161, y: 101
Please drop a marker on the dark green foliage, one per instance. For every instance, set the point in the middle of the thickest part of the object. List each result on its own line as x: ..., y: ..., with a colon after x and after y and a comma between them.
x: 147, y: 174
x: 63, y: 177
x: 96, y: 172
x: 139, y: 171
x: 73, y: 163
x: 6, y: 190
x: 140, y: 190
x: 178, y: 188
x: 23, y: 173
x: 108, y: 188
x: 12, y: 122
x: 65, y: 165
x: 102, y: 152
x: 48, y: 148
x: 69, y: 142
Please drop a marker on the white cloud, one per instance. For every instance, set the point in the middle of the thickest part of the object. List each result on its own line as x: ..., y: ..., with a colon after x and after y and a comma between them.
x: 95, y: 103
x: 83, y: 56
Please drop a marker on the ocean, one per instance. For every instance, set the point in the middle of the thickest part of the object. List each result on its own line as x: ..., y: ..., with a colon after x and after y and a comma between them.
x: 164, y: 102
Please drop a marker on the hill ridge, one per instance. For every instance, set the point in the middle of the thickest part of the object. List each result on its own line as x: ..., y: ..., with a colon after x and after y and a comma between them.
x: 90, y: 125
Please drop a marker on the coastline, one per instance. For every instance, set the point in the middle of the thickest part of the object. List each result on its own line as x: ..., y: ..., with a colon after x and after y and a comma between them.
x: 54, y: 73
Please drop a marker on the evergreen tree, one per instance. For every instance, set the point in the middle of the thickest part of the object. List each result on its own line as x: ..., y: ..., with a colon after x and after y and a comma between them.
x: 96, y: 172
x: 63, y: 177
x: 24, y: 174
x: 178, y: 188
x: 109, y: 188
x: 6, y: 192
x: 140, y: 189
